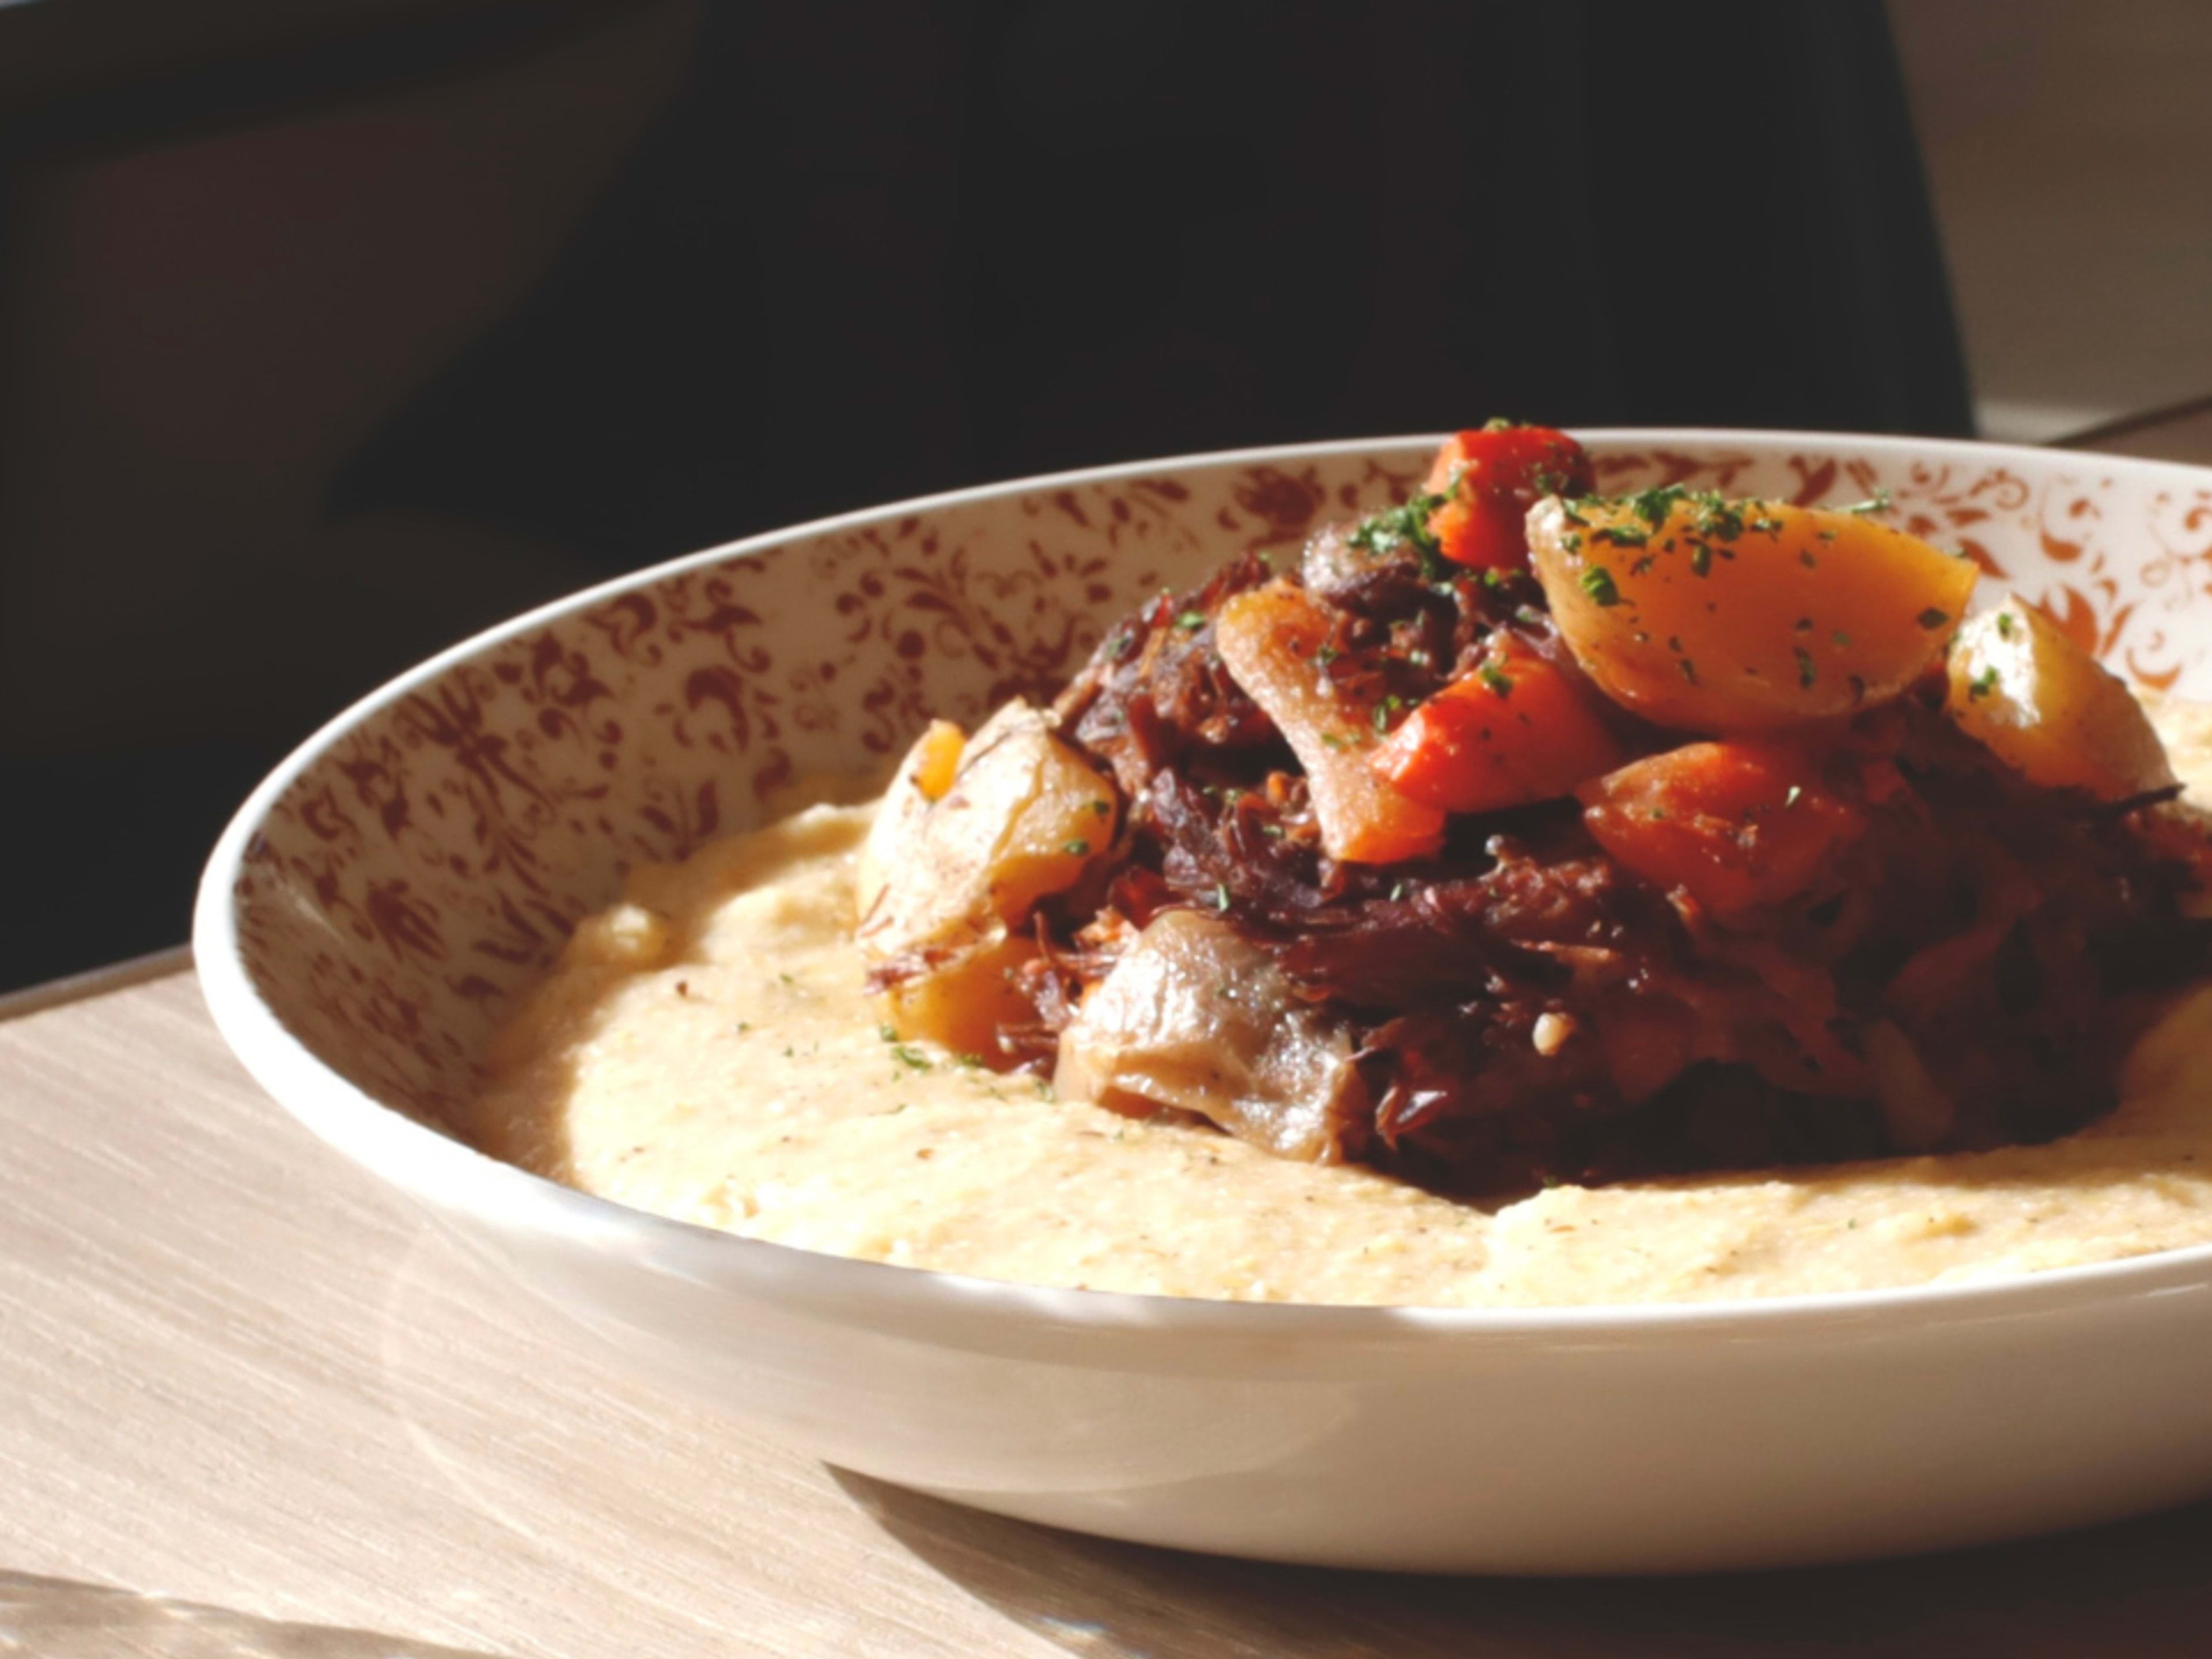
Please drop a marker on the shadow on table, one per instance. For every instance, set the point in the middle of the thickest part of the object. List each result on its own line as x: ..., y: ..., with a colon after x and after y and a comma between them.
x: 2137, y: 1587
x: 61, y: 1618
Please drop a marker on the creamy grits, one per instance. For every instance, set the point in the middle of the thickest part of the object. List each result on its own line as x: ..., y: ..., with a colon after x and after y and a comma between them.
x: 705, y: 1050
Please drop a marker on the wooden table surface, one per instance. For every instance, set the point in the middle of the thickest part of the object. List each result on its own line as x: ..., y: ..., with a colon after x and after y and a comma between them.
x: 255, y: 1405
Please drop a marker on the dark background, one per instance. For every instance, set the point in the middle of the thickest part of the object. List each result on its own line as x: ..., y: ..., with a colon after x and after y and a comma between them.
x: 329, y: 334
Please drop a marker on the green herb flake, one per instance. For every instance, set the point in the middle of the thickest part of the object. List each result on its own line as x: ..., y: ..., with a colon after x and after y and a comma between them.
x: 2004, y: 624
x: 1701, y: 560
x: 1877, y: 502
x: 1689, y: 669
x: 1982, y: 685
x: 1401, y: 526
x: 909, y: 1056
x: 1499, y: 683
x: 1931, y: 618
x: 1221, y: 896
x: 1191, y: 619
x: 1075, y: 849
x: 1807, y: 673
x: 1596, y: 582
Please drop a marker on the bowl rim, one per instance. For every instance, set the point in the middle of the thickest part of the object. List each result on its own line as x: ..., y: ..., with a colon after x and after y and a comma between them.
x: 442, y: 1171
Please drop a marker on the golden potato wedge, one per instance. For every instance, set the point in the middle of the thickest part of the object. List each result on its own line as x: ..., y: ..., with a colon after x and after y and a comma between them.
x: 1022, y: 818
x: 1272, y: 639
x: 1713, y: 616
x: 2049, y: 709
x: 960, y: 1003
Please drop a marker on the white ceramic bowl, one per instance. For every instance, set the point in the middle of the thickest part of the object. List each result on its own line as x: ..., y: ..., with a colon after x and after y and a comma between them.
x: 379, y: 903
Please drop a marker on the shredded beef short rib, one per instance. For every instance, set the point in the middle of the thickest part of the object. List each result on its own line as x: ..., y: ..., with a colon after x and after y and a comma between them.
x: 1523, y: 1010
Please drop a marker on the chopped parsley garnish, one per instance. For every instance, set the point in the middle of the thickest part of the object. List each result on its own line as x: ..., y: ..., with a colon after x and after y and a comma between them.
x: 1597, y: 583
x: 1191, y: 619
x: 1982, y: 685
x: 1701, y: 560
x: 1689, y: 669
x: 1807, y: 673
x: 1401, y: 526
x: 1500, y: 684
x: 1075, y: 849
x: 2004, y: 624
x: 1932, y: 618
x: 1877, y: 502
x: 907, y: 1055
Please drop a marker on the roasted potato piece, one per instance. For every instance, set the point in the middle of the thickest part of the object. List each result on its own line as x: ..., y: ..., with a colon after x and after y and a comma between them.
x: 1272, y: 639
x: 1195, y: 1018
x: 1709, y: 615
x: 960, y: 1003
x: 1023, y: 815
x: 922, y: 780
x: 2049, y: 709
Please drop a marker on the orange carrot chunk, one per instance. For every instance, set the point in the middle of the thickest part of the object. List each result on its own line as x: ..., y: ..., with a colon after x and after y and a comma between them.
x: 1735, y: 825
x: 1517, y: 729
x: 1489, y: 478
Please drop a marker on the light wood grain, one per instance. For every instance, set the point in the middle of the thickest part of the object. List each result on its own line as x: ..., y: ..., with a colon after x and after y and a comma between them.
x: 255, y: 1406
